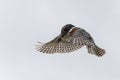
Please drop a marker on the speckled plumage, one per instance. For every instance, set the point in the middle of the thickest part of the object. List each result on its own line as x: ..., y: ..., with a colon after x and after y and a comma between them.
x: 71, y: 39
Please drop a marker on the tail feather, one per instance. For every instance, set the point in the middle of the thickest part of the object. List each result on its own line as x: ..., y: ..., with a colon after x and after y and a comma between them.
x: 96, y: 50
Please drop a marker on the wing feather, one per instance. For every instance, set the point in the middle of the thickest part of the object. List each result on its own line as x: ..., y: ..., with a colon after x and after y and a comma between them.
x: 61, y: 47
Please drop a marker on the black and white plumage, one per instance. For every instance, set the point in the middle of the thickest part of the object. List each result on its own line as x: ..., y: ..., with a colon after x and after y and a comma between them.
x: 71, y: 39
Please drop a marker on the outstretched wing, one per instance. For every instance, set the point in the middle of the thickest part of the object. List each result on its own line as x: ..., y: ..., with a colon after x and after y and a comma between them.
x: 57, y: 47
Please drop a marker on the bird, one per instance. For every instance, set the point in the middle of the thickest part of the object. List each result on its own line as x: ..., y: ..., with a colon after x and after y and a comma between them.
x: 71, y: 39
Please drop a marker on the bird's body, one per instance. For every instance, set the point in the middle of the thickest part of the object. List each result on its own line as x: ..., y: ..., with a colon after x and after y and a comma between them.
x: 71, y: 39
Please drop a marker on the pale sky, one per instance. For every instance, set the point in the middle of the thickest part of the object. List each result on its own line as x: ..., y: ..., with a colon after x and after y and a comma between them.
x: 24, y: 22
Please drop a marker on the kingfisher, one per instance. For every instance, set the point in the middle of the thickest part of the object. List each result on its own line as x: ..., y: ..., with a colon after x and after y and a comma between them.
x: 70, y: 39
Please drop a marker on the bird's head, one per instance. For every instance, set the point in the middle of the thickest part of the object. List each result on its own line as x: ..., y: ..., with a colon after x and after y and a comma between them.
x: 66, y: 29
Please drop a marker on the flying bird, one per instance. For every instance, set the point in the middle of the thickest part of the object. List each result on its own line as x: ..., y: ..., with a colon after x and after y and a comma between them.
x: 70, y: 39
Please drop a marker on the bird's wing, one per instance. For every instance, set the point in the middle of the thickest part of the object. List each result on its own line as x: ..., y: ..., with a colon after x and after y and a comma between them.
x: 82, y: 38
x: 70, y: 42
x: 79, y: 37
x: 57, y: 47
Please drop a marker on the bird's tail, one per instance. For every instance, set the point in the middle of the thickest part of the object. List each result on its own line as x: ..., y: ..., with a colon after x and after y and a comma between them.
x: 96, y: 50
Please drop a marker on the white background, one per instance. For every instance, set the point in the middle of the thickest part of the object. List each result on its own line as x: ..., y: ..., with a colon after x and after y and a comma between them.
x: 24, y: 22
